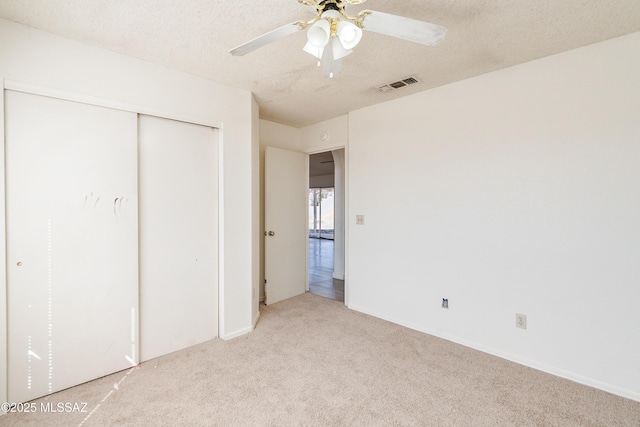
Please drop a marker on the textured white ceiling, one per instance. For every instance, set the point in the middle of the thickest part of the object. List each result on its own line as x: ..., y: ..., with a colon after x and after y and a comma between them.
x: 196, y: 35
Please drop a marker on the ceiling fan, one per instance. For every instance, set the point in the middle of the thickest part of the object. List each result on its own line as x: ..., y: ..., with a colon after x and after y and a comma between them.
x: 333, y: 34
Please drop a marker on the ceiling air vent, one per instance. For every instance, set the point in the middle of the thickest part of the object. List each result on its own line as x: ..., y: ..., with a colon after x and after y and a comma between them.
x: 397, y: 85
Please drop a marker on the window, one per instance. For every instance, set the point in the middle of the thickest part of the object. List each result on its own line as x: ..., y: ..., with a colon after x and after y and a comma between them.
x: 321, y: 213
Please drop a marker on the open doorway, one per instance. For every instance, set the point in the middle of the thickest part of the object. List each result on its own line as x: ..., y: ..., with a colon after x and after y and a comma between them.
x: 326, y: 224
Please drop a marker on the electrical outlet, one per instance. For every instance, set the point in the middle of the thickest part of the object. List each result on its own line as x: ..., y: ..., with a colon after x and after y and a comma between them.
x: 445, y: 303
x: 360, y: 219
x: 521, y: 321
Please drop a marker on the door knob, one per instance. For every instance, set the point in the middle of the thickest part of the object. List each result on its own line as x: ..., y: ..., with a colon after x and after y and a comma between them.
x: 271, y: 233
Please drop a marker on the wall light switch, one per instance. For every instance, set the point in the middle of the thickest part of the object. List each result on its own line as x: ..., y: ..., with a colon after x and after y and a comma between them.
x: 360, y: 219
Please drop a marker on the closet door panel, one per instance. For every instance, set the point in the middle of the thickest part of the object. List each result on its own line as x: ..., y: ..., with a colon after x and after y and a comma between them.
x: 178, y: 178
x: 72, y: 254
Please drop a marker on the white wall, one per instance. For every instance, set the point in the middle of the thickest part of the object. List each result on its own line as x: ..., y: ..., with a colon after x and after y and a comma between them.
x: 326, y: 136
x: 513, y: 192
x: 37, y: 58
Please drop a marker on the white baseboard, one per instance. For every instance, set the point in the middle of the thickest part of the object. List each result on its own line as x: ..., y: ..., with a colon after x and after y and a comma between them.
x: 241, y: 332
x: 609, y: 388
x: 339, y: 276
x: 237, y: 333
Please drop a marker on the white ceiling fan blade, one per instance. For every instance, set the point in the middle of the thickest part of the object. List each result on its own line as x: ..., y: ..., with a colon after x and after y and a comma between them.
x: 265, y: 39
x: 404, y: 28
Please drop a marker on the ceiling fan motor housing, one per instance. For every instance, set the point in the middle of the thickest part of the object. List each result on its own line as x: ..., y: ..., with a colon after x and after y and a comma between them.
x: 329, y: 5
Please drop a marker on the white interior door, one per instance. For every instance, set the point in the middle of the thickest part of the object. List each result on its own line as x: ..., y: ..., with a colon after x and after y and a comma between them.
x: 286, y: 226
x: 72, y: 251
x: 178, y: 235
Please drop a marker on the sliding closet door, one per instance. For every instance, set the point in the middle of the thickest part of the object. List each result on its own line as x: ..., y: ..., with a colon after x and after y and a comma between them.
x: 71, y: 243
x: 178, y: 178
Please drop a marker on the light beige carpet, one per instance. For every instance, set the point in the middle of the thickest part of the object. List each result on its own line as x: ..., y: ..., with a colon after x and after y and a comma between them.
x: 313, y: 362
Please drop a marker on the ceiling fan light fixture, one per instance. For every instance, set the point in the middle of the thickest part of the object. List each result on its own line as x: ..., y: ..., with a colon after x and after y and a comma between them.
x: 330, y: 14
x: 313, y: 50
x: 330, y: 66
x: 319, y: 33
x: 349, y: 34
x: 339, y: 51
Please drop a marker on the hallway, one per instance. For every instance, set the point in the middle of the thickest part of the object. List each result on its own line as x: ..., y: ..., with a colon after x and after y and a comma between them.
x: 321, y: 281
